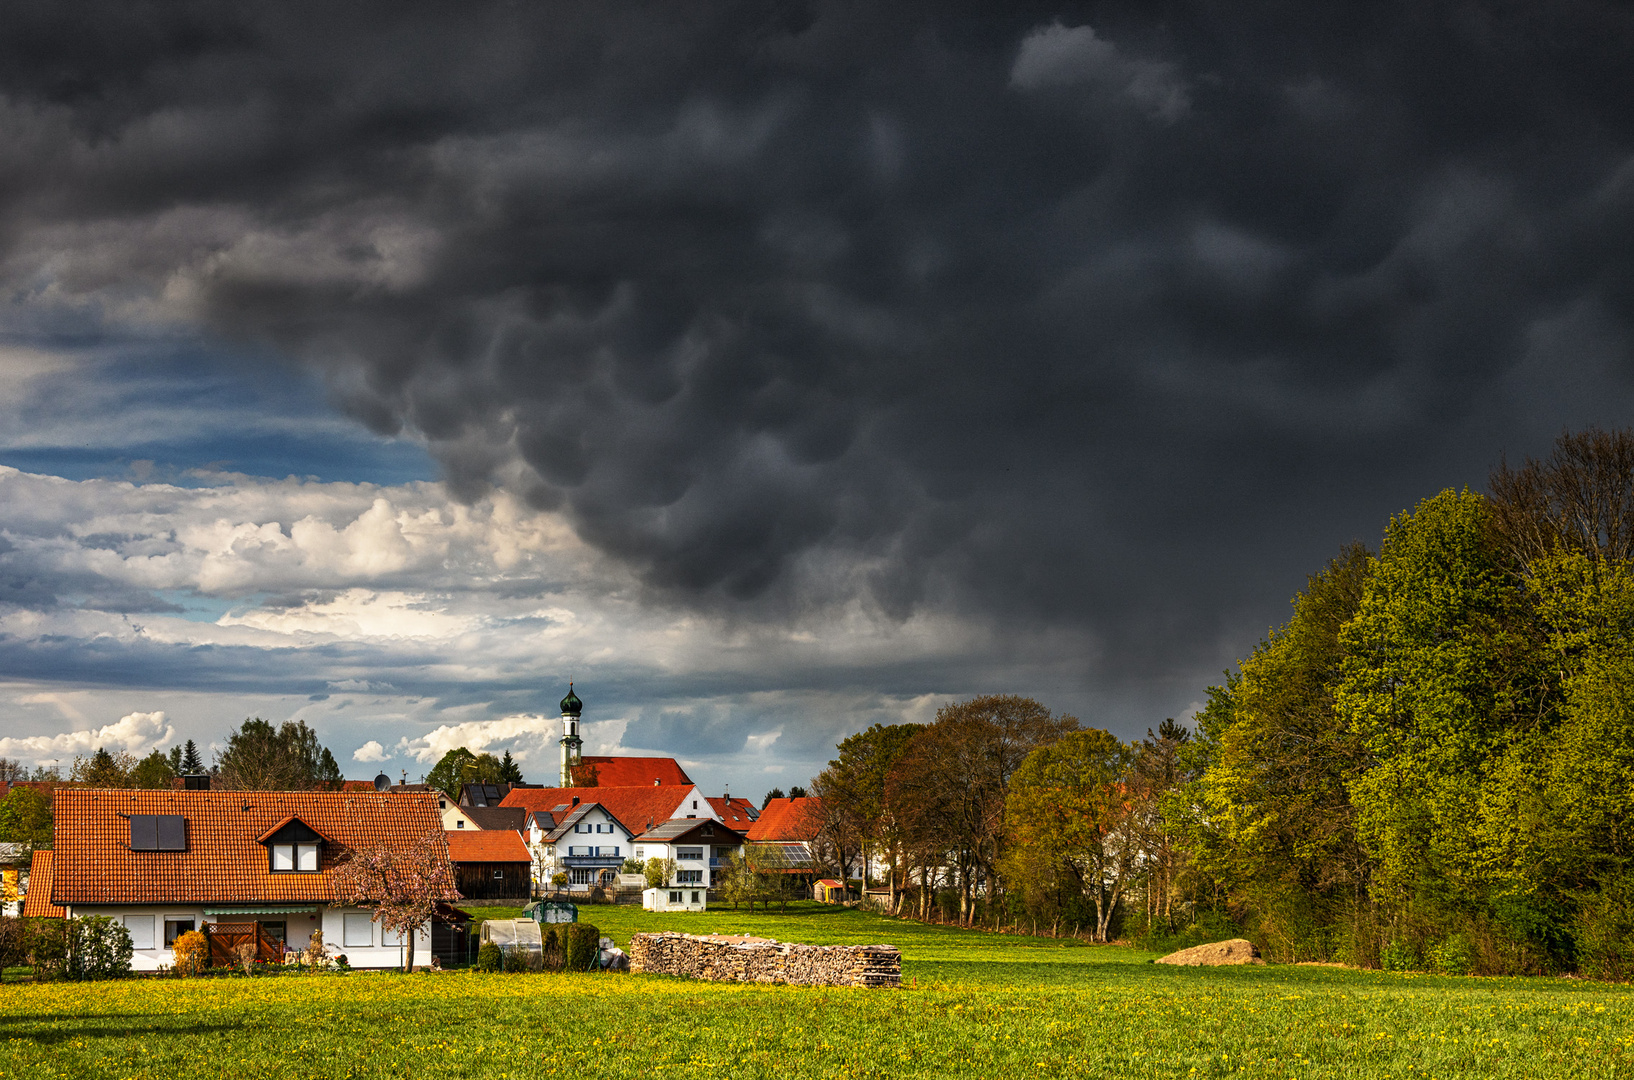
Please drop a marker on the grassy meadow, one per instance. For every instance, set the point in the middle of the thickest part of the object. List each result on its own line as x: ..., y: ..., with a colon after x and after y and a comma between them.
x: 973, y: 1005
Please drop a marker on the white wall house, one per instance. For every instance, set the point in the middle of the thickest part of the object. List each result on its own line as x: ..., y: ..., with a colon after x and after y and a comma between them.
x: 167, y: 862
x: 699, y: 847
x: 587, y: 842
x: 349, y: 931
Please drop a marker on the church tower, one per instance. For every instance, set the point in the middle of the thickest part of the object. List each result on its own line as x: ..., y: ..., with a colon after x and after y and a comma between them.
x: 571, y: 707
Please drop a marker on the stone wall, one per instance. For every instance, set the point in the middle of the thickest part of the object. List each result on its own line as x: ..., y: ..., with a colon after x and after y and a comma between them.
x: 751, y: 959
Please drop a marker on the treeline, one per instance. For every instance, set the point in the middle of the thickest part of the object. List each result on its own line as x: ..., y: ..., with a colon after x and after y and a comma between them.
x: 1431, y: 765
x: 1001, y: 812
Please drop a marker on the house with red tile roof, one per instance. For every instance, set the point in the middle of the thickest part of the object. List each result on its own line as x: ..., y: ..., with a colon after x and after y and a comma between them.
x: 788, y: 821
x: 37, y: 900
x: 592, y: 826
x: 491, y: 865
x: 740, y: 814
x: 166, y: 862
x: 631, y: 772
x: 700, y: 850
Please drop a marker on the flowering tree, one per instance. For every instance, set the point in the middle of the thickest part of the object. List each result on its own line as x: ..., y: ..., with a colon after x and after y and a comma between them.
x: 403, y: 885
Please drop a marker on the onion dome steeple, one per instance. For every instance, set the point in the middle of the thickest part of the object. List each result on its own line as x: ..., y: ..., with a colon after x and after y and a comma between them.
x: 571, y: 705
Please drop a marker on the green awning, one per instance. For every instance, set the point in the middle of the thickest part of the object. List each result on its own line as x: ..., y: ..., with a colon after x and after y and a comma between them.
x: 268, y: 909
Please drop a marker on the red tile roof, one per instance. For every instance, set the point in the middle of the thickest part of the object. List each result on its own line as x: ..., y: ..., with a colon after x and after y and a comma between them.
x: 44, y: 787
x: 486, y: 846
x: 634, y: 807
x: 636, y: 771
x: 37, y: 901
x: 738, y: 813
x: 222, y: 863
x: 788, y: 820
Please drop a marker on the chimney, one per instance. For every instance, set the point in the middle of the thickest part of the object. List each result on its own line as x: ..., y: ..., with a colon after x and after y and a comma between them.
x: 656, y: 781
x: 575, y: 800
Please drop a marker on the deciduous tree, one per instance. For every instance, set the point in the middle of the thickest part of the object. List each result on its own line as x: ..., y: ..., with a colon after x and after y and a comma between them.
x: 403, y: 885
x: 259, y: 757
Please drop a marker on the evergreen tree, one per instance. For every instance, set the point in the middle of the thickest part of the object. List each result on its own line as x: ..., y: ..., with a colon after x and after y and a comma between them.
x: 192, y: 763
x: 509, y: 771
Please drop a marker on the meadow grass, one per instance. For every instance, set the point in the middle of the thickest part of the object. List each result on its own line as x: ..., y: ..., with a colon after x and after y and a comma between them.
x: 974, y: 1005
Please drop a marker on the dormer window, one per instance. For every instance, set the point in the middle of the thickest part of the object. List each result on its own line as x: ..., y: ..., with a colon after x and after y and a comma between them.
x: 293, y: 847
x: 295, y: 858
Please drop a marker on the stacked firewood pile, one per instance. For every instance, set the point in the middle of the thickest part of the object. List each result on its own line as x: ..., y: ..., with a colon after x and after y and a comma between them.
x: 752, y: 959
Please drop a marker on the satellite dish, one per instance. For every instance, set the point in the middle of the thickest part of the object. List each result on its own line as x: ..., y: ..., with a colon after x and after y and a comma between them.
x: 382, y: 782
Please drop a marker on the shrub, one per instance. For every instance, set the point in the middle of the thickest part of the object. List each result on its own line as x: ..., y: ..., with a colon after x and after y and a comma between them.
x: 489, y: 957
x: 1605, y: 933
x: 598, y: 895
x: 1398, y: 955
x: 246, y: 956
x: 13, y: 942
x: 582, y: 944
x: 1453, y: 956
x: 89, y: 948
x: 552, y: 945
x: 192, y: 953
x: 48, y: 941
x: 559, y: 879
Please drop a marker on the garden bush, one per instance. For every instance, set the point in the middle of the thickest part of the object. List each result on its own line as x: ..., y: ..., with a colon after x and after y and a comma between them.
x: 90, y: 948
x: 489, y: 957
x: 13, y: 942
x: 192, y: 952
x: 582, y: 944
x: 552, y: 945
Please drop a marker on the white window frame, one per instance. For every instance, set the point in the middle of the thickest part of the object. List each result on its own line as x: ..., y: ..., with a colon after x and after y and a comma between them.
x: 689, y: 854
x: 283, y: 858
x: 168, y: 919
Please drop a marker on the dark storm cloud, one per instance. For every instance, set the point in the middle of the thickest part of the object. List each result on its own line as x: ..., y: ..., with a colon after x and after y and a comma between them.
x: 1063, y: 315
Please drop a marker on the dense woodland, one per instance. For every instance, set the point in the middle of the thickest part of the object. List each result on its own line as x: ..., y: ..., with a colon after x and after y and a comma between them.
x: 1431, y: 765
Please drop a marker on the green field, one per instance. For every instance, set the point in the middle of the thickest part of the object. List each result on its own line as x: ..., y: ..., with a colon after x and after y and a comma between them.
x: 974, y: 1005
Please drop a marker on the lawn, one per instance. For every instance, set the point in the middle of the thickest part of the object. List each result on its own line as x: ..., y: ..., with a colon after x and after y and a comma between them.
x: 974, y: 1005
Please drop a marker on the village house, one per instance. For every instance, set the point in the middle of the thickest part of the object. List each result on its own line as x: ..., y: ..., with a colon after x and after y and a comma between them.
x: 256, y: 863
x: 700, y: 850
x: 586, y: 832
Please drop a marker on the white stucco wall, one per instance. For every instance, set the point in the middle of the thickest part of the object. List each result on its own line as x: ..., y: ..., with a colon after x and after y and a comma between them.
x: 298, y: 929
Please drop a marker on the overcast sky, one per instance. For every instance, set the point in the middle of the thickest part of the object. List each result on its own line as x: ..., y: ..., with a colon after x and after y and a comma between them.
x: 769, y: 370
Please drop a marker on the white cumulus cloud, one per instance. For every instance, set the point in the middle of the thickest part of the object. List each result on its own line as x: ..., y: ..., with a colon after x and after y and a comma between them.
x: 479, y: 735
x: 137, y: 732
x: 370, y: 751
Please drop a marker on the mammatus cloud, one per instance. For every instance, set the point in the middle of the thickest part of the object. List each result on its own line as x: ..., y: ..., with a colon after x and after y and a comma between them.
x: 371, y: 751
x: 1060, y: 56
x: 1060, y: 319
x: 137, y: 733
x: 825, y: 351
